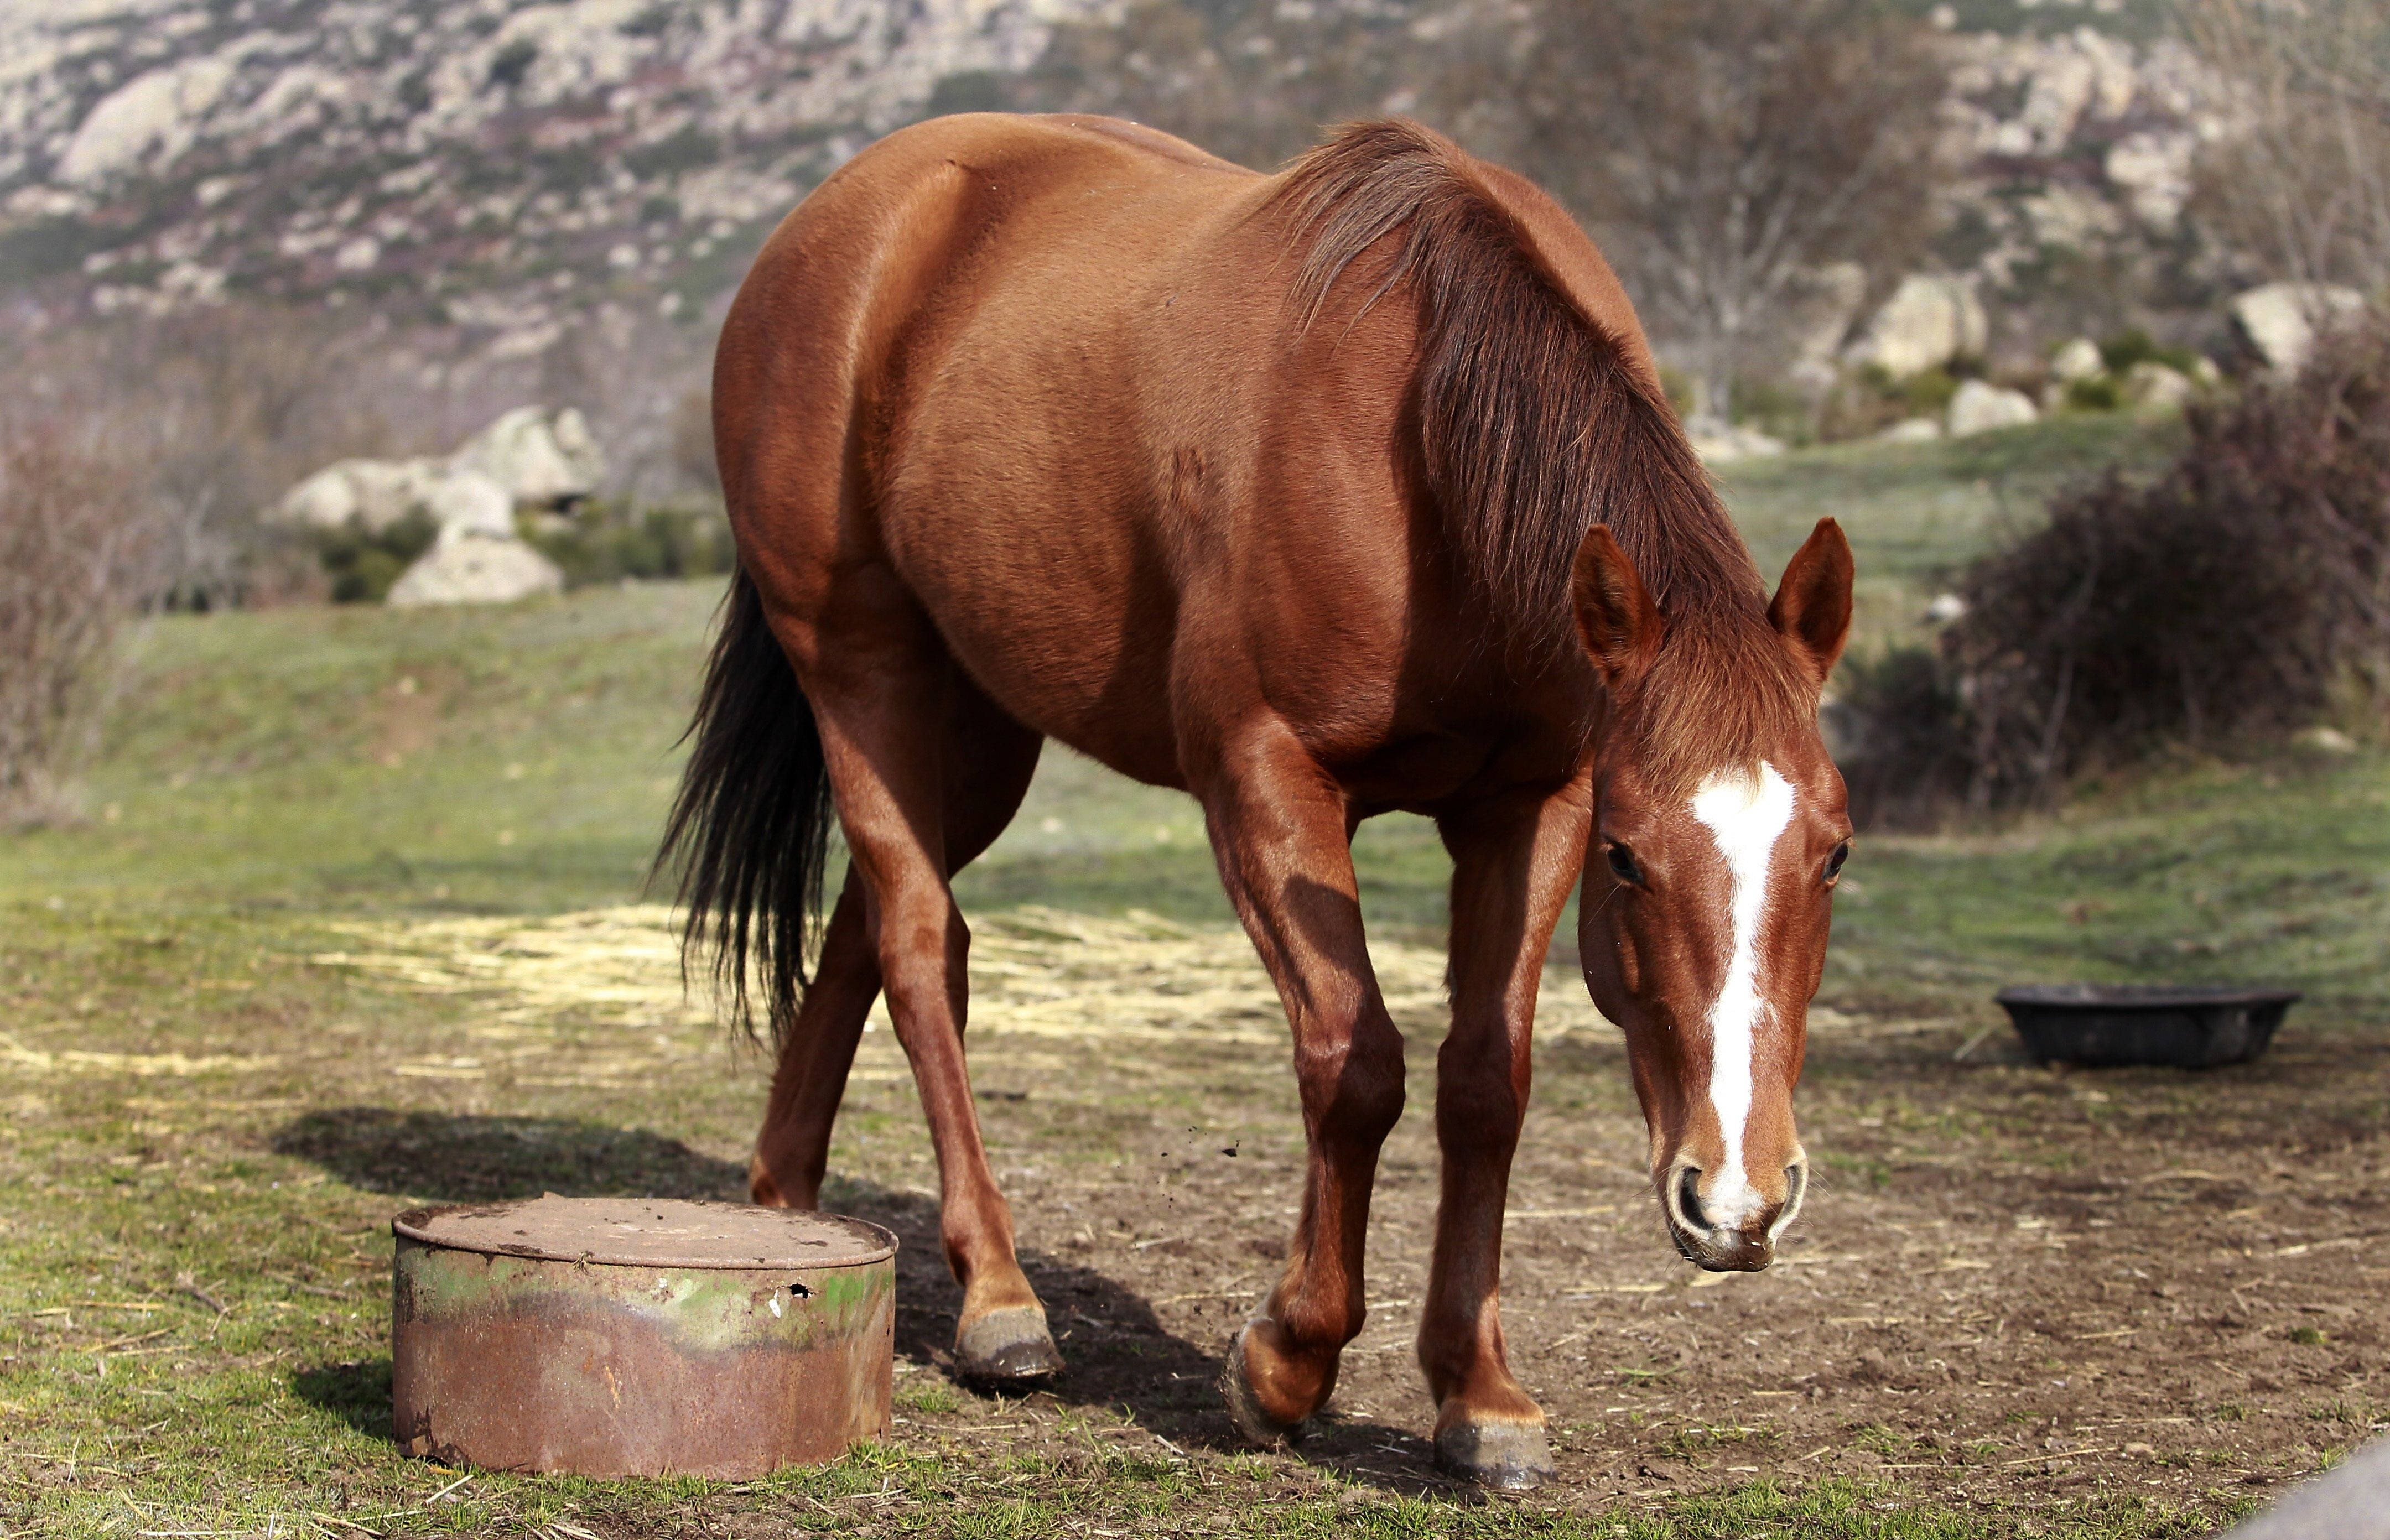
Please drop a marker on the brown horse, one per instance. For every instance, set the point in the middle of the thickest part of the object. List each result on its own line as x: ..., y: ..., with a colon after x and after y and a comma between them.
x: 1314, y: 495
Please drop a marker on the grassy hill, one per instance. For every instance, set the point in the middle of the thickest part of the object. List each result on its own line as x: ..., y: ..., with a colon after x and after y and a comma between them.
x: 306, y: 762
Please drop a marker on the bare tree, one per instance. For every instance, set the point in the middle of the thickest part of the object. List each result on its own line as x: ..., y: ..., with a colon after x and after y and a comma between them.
x: 212, y: 415
x: 2304, y: 189
x: 1252, y: 80
x: 77, y: 549
x: 1725, y: 150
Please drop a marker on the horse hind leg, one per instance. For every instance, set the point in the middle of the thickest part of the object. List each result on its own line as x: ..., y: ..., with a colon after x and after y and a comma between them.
x: 987, y: 765
x: 817, y: 1049
x: 882, y: 704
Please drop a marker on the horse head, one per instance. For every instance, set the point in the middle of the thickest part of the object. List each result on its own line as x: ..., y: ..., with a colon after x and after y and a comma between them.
x: 1720, y: 832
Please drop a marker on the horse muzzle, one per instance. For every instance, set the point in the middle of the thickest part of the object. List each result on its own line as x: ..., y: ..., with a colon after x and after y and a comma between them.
x: 1717, y: 1241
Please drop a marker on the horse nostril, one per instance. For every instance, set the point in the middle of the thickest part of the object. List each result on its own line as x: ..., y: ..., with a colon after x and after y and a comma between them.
x: 1688, y: 1198
x: 1796, y: 1185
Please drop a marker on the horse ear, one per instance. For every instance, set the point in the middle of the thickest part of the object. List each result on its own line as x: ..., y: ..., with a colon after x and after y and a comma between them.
x: 1615, y: 617
x: 1812, y: 608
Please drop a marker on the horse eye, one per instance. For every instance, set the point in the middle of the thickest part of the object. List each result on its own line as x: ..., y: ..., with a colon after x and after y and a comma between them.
x: 1622, y: 867
x: 1834, y: 862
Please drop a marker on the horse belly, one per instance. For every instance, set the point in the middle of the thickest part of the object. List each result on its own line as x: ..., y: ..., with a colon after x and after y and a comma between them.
x: 1018, y: 545
x: 1068, y: 656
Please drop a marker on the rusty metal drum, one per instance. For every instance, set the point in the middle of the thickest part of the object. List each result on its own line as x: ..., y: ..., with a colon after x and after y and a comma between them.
x: 617, y: 1337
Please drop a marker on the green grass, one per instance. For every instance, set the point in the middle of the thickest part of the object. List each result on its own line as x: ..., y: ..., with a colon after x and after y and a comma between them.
x: 266, y: 775
x: 1917, y: 512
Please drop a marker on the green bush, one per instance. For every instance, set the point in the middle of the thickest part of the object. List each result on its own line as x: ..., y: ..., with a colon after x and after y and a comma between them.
x: 1901, y: 733
x: 2133, y: 346
x: 2097, y: 392
x: 1928, y: 395
x: 607, y: 542
x: 363, y: 564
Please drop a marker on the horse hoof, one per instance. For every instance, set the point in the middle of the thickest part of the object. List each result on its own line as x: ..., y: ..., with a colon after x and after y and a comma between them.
x: 1006, y: 1346
x: 761, y: 1190
x: 1505, y: 1456
x: 1254, y: 1425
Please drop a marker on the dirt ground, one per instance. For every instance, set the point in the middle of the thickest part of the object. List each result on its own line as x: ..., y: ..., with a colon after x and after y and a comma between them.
x: 2011, y: 1284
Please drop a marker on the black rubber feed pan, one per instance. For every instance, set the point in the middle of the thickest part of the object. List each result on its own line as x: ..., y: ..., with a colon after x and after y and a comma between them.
x: 2194, y: 1028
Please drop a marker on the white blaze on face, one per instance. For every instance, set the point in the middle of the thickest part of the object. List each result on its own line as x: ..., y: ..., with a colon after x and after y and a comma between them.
x: 1746, y: 816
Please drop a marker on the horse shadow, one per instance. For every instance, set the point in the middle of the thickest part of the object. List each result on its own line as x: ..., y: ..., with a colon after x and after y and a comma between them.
x: 1122, y: 1359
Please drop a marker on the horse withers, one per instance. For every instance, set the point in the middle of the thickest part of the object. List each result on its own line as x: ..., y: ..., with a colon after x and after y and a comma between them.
x: 1316, y: 496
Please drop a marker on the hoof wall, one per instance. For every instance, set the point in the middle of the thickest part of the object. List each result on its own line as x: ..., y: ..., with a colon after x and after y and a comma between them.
x: 1507, y: 1456
x: 1255, y: 1425
x: 1006, y: 1346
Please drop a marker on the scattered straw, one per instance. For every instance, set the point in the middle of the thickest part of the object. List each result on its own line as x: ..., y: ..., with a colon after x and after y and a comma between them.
x: 83, y: 1062
x: 1036, y: 973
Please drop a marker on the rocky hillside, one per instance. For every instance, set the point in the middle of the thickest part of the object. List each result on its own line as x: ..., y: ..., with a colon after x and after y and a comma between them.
x: 494, y: 164
x: 2079, y: 148
x: 497, y: 170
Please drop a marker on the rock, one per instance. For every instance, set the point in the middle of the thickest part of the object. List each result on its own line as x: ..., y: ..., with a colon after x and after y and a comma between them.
x: 375, y: 494
x: 2280, y: 320
x: 2152, y: 387
x: 1927, y: 321
x: 151, y: 120
x: 542, y: 460
x: 2325, y: 740
x: 2155, y: 173
x: 467, y: 567
x: 1717, y: 443
x: 1981, y: 408
x: 2349, y: 1502
x: 1911, y: 431
x: 2078, y: 360
x: 529, y: 458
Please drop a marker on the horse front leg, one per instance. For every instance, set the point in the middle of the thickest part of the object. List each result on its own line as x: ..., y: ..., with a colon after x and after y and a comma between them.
x: 1278, y: 828
x: 1513, y: 862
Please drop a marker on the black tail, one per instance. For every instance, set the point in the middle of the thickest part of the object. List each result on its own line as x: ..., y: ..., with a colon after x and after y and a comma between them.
x: 750, y: 826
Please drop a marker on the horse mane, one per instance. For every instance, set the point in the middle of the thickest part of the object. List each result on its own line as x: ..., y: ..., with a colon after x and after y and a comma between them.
x: 1535, y: 423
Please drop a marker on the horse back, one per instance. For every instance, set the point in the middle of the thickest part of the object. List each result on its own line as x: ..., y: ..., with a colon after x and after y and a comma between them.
x: 1045, y: 374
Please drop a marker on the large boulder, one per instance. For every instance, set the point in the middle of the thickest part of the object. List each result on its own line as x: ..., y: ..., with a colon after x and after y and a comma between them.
x: 2281, y: 320
x: 528, y: 459
x: 375, y: 494
x: 2152, y: 387
x: 471, y: 567
x: 1717, y: 443
x: 2078, y: 359
x: 1927, y: 321
x: 543, y: 459
x: 1981, y: 408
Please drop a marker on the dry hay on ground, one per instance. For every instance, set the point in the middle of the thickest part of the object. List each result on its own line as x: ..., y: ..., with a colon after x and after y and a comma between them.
x: 1036, y: 973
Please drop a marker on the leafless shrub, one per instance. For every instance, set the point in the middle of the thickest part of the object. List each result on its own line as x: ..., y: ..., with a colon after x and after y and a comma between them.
x: 78, y: 550
x: 2244, y: 593
x: 2302, y: 190
x: 212, y: 415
